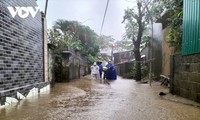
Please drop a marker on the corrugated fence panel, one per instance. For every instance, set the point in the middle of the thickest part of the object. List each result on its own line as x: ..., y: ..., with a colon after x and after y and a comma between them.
x: 191, y: 27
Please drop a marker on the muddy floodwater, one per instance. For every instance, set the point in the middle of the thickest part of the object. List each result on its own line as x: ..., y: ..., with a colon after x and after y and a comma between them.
x: 87, y: 99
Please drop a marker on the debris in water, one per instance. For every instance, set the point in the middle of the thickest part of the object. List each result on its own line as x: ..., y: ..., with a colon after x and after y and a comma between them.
x: 162, y: 93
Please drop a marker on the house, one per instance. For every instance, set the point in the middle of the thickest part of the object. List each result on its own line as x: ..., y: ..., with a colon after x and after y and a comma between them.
x: 124, y: 61
x: 167, y: 51
x: 183, y: 68
x: 124, y: 56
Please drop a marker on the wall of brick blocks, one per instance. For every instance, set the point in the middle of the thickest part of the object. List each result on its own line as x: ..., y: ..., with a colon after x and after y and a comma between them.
x: 186, y: 76
x: 21, y: 51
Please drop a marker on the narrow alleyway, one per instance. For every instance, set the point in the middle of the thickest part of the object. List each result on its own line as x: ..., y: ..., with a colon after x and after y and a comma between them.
x: 87, y: 99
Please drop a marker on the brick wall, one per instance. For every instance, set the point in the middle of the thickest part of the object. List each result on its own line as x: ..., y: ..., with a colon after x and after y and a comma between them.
x: 186, y: 76
x: 21, y: 50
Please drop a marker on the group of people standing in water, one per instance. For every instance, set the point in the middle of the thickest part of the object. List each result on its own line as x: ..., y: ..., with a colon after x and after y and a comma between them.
x: 108, y: 72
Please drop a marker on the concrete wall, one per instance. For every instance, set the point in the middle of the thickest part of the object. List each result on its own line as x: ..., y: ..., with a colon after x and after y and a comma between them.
x: 21, y: 51
x: 124, y: 68
x: 51, y: 64
x: 45, y: 48
x: 157, y: 49
x: 83, y: 67
x: 73, y: 65
x: 74, y: 69
x: 185, y: 71
x: 166, y: 53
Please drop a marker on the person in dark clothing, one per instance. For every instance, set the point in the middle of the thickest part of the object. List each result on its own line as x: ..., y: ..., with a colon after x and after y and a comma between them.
x: 111, y: 72
x: 100, y: 69
x: 104, y: 70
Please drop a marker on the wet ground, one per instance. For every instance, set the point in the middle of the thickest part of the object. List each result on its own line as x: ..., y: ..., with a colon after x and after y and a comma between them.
x: 87, y: 99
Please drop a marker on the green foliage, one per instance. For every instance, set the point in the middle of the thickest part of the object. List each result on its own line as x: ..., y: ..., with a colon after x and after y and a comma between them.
x: 74, y: 35
x: 175, y: 19
x: 133, y: 72
x: 144, y: 70
x: 137, y: 27
x: 137, y: 24
x: 123, y: 45
x: 105, y: 42
x: 91, y: 58
x: 144, y: 42
x: 175, y: 32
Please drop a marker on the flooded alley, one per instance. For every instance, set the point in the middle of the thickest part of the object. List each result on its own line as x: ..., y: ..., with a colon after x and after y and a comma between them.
x: 87, y: 99
x: 67, y: 42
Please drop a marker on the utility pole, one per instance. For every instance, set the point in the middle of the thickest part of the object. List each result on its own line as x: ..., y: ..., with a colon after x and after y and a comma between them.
x: 150, y: 47
x: 112, y: 52
x: 46, y: 5
x: 151, y: 54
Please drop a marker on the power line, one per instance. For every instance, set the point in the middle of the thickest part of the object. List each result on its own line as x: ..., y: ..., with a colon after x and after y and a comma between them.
x: 104, y: 16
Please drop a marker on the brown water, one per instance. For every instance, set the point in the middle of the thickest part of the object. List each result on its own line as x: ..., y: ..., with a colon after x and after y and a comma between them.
x: 87, y: 99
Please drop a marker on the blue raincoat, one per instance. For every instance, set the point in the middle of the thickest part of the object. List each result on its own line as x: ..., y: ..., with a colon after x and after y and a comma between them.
x: 111, y: 72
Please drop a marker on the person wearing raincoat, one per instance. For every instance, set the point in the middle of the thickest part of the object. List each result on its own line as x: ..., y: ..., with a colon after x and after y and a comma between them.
x: 95, y: 71
x: 110, y: 72
x: 100, y: 69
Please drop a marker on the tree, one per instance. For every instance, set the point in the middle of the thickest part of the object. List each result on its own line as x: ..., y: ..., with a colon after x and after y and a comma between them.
x: 123, y: 45
x: 136, y: 21
x: 106, y: 45
x: 175, y: 23
x: 105, y: 42
x: 175, y: 19
x: 62, y: 40
x: 79, y: 37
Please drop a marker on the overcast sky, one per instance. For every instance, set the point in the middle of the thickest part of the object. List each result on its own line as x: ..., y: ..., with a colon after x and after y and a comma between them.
x: 90, y: 13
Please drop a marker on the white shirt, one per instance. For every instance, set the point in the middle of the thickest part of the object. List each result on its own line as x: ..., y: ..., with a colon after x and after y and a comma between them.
x: 95, y: 69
